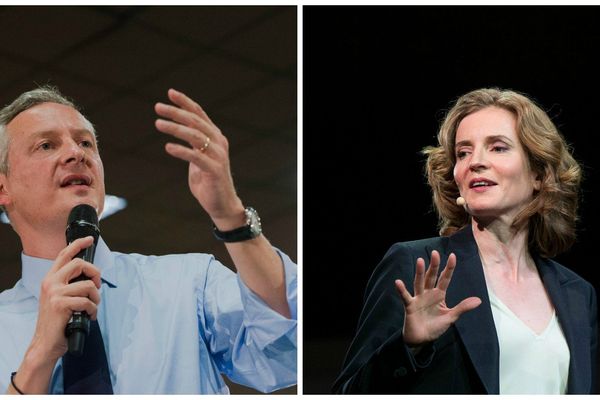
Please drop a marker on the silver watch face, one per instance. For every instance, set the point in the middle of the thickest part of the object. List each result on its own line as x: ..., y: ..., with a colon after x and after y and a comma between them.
x: 253, y: 221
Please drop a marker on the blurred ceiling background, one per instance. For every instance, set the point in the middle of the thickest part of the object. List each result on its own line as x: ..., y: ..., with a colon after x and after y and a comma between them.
x: 239, y: 63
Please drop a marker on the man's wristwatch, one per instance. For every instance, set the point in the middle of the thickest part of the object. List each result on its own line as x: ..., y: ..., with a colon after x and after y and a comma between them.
x: 249, y: 231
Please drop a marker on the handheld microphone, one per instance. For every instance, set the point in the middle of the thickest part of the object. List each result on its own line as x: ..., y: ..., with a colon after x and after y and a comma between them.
x: 82, y: 222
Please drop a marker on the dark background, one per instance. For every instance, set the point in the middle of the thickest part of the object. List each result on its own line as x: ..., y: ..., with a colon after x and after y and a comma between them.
x: 376, y: 83
x: 239, y: 63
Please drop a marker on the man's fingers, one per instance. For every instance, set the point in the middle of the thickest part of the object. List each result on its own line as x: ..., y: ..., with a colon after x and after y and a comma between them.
x: 76, y: 267
x: 92, y: 272
x: 404, y: 294
x: 194, y: 137
x: 85, y: 288
x: 192, y: 155
x: 71, y: 251
x: 446, y: 275
x: 186, y: 118
x: 419, y: 276
x: 467, y: 304
x: 188, y: 104
x: 81, y: 304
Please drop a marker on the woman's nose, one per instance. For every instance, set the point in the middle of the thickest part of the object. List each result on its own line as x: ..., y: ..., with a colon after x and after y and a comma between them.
x: 478, y: 160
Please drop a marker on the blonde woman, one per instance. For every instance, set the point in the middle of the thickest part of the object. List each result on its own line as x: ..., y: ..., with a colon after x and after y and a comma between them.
x: 492, y: 313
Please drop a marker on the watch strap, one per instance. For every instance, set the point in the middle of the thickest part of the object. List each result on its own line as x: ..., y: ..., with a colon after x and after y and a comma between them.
x: 242, y: 233
x: 236, y: 235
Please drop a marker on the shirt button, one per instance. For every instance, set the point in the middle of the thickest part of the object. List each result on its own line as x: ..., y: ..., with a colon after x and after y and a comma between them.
x: 400, y: 372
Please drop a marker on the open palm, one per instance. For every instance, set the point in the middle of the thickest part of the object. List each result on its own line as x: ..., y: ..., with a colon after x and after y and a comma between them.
x: 427, y: 316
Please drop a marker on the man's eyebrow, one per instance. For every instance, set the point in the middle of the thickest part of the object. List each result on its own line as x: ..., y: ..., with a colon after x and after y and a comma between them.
x: 84, y: 132
x: 51, y: 132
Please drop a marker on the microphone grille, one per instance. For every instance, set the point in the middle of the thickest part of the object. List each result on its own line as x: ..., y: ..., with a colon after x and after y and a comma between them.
x: 83, y: 212
x: 82, y: 221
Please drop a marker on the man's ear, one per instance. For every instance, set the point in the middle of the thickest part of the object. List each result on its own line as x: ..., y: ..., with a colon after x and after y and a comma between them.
x: 4, y: 198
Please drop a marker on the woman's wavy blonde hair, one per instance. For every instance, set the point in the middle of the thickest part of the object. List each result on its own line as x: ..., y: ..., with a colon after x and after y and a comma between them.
x: 552, y: 212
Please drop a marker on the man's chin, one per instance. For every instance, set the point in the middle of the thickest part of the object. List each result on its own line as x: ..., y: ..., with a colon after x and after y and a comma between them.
x: 90, y: 202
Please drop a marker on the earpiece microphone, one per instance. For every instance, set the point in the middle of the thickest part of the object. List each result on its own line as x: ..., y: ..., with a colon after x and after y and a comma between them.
x: 461, y: 201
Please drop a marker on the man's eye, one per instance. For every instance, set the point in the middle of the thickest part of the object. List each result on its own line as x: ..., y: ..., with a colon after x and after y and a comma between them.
x: 87, y: 143
x: 45, y: 146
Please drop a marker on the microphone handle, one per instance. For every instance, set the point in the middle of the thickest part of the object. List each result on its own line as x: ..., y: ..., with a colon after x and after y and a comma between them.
x: 79, y: 325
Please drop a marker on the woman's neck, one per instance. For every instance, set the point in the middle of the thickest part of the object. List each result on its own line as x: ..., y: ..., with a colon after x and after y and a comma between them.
x: 501, y: 246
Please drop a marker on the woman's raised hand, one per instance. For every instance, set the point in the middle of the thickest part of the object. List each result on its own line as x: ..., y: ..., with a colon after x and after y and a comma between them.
x: 426, y: 315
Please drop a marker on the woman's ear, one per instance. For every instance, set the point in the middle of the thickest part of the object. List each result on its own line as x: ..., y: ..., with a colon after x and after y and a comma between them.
x: 537, y: 182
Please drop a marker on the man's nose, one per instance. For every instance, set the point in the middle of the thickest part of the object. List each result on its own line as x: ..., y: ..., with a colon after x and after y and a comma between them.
x: 73, y: 153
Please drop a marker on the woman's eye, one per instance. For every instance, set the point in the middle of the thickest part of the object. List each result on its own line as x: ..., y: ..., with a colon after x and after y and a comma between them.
x: 461, y: 154
x: 499, y: 149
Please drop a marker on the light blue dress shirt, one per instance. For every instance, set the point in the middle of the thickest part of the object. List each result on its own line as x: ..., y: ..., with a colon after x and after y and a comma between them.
x: 170, y: 324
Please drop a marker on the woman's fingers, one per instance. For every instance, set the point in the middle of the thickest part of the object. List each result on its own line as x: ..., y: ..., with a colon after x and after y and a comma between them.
x: 419, y: 277
x: 467, y: 304
x: 406, y: 297
x: 426, y: 280
x: 432, y: 271
x: 446, y: 275
x: 426, y: 314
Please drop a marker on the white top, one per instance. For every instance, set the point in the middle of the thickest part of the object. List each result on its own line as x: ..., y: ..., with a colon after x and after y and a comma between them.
x: 529, y: 363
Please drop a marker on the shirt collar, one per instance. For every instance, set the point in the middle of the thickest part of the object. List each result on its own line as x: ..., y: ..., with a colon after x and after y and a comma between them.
x: 34, y: 269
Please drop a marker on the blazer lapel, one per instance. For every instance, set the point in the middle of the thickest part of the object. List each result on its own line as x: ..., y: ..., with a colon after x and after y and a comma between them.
x: 476, y: 327
x: 478, y: 331
x: 570, y: 319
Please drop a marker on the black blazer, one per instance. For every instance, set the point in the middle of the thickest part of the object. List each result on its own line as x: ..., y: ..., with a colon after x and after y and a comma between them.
x: 465, y: 359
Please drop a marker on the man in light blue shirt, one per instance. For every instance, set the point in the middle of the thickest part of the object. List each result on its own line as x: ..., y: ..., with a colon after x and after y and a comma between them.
x: 170, y: 324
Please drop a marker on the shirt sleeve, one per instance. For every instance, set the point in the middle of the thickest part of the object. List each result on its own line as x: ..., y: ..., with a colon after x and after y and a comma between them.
x: 251, y: 343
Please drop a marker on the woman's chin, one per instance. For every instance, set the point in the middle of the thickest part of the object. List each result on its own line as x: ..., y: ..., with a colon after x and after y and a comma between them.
x: 483, y: 212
